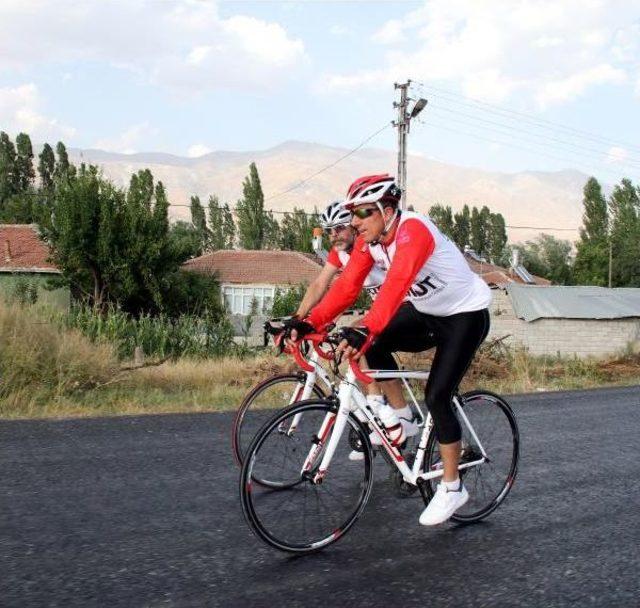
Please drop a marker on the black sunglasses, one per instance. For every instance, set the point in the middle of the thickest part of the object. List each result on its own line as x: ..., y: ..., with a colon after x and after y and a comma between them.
x: 364, y: 212
x: 336, y: 229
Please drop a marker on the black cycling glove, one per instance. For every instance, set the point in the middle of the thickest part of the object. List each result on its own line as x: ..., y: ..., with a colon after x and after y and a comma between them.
x: 300, y: 325
x: 355, y: 336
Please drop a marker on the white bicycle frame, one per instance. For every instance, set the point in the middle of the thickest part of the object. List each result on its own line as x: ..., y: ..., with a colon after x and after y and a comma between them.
x: 318, y: 373
x: 351, y: 399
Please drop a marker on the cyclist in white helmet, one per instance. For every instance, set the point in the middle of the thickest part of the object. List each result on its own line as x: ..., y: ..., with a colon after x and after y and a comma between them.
x: 336, y: 222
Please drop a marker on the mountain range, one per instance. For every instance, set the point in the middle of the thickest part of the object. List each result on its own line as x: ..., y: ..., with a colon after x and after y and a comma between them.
x: 291, y: 177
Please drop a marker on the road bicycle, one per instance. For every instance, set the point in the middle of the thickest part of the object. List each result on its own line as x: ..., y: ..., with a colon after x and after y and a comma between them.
x: 277, y: 392
x: 316, y: 493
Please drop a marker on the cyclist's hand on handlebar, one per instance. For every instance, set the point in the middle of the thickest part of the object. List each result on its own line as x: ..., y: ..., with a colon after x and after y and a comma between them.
x: 295, y: 329
x: 354, y: 338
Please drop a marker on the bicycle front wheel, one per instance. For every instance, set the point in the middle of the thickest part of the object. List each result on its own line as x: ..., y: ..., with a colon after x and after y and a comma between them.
x: 488, y: 483
x: 272, y: 394
x: 304, y: 515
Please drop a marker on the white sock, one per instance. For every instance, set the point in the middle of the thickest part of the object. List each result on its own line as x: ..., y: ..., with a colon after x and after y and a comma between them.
x: 405, y: 413
x: 375, y: 402
x: 453, y: 486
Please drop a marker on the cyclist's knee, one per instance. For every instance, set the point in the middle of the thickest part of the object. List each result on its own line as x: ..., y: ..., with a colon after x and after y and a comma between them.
x: 445, y: 421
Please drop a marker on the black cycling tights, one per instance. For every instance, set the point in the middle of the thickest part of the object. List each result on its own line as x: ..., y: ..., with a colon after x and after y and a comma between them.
x: 456, y: 339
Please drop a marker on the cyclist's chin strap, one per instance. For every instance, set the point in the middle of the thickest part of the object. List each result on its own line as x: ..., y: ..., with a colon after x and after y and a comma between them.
x: 387, y: 226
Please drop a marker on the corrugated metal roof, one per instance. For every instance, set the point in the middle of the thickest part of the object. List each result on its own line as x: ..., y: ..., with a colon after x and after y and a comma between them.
x: 533, y: 302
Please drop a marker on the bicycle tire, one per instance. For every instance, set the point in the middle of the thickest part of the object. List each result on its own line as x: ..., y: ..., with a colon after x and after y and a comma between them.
x: 470, y: 512
x: 284, y: 526
x: 239, y: 444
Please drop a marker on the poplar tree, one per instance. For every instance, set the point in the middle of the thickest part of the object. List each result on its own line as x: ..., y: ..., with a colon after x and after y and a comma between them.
x: 443, y: 218
x: 46, y: 167
x: 462, y: 227
x: 592, y: 256
x: 624, y: 205
x: 251, y: 217
x: 199, y: 221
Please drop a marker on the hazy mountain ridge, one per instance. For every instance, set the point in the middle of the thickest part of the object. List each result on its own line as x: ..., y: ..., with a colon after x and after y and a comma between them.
x: 528, y: 198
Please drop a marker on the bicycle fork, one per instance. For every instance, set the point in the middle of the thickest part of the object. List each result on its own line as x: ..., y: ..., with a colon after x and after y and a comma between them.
x: 335, y: 421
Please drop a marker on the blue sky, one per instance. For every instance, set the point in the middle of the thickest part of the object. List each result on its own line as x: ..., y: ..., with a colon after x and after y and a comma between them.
x: 190, y: 76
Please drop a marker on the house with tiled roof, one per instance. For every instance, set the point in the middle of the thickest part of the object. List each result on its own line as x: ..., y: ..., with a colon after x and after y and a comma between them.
x: 245, y: 275
x: 25, y: 268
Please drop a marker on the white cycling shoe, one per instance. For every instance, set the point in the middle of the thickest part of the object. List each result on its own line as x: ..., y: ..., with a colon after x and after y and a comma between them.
x: 443, y: 505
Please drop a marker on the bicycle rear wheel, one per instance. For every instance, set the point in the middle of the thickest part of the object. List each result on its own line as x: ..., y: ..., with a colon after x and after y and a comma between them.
x: 489, y: 483
x: 271, y: 394
x: 303, y: 516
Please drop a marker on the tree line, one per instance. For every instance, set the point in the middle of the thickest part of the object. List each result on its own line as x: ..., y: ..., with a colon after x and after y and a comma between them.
x: 114, y: 246
x: 117, y: 245
x: 480, y: 229
x: 253, y: 227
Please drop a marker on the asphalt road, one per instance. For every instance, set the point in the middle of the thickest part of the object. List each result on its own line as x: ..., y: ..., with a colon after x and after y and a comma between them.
x: 144, y: 511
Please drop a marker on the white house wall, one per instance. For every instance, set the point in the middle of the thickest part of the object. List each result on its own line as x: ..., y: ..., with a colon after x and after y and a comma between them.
x: 581, y: 337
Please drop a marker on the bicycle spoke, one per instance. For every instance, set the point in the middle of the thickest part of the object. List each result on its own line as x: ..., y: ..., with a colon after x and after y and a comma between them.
x: 307, y: 513
x: 493, y: 423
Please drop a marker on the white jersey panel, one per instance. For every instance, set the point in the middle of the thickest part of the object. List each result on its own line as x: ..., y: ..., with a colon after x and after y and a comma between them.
x: 445, y: 285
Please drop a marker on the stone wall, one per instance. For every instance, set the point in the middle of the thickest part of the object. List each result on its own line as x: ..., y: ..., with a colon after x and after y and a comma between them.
x: 582, y: 337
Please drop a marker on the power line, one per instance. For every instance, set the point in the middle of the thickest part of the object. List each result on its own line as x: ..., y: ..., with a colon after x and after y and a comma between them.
x: 333, y: 164
x: 422, y: 198
x: 582, y: 150
x: 511, y: 114
x: 520, y: 147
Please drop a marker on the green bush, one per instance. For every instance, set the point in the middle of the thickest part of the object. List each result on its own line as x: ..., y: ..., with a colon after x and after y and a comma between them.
x: 159, y: 336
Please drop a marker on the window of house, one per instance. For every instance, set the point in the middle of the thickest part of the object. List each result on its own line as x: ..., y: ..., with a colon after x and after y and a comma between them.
x: 238, y: 298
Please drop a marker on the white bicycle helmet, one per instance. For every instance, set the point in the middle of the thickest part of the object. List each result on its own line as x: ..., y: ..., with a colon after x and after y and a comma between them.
x: 335, y: 215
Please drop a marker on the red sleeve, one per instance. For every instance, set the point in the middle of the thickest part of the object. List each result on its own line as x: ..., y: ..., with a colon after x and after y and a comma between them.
x: 414, y: 245
x: 333, y: 258
x: 345, y: 288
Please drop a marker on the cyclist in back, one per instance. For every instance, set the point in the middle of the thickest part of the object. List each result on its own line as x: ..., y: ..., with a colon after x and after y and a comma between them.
x: 429, y: 297
x: 336, y: 222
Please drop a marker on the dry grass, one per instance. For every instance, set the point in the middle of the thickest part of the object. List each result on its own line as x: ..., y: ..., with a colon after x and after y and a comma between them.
x: 50, y: 372
x: 40, y: 362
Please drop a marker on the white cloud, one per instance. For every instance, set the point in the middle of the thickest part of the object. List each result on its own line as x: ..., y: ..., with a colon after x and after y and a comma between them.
x: 569, y: 88
x: 197, y: 150
x: 183, y: 44
x: 339, y: 30
x: 390, y: 33
x: 127, y: 141
x: 551, y: 52
x: 20, y: 110
x: 616, y: 155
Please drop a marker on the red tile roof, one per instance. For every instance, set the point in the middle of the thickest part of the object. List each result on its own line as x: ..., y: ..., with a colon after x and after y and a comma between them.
x: 261, y: 267
x: 22, y: 250
x: 292, y: 267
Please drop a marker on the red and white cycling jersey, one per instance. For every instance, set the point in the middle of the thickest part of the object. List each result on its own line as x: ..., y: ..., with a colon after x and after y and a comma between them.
x: 422, y: 266
x: 373, y: 280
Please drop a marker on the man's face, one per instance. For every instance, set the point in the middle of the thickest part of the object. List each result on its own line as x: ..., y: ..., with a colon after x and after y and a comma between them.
x: 369, y: 222
x: 341, y: 237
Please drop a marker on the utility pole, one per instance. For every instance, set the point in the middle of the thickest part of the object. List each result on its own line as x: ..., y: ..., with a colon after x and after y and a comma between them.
x: 402, y: 124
